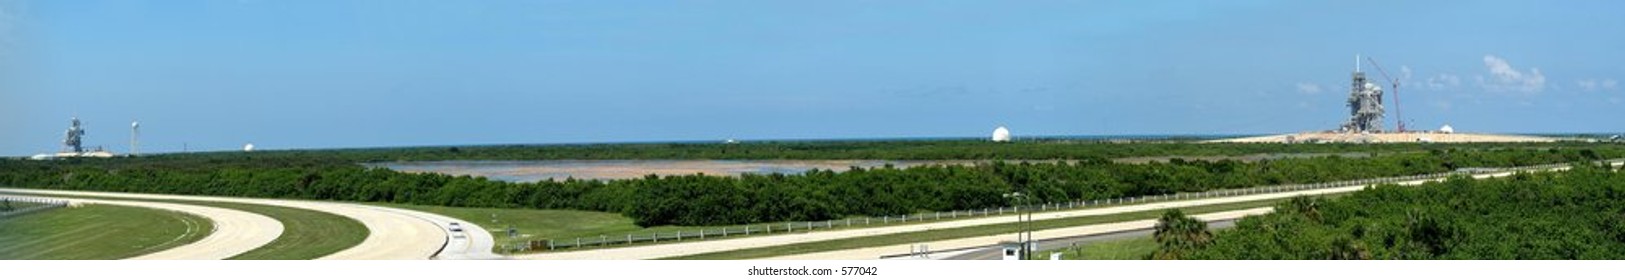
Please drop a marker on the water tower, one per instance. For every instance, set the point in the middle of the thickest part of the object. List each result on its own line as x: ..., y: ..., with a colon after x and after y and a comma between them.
x: 135, y: 134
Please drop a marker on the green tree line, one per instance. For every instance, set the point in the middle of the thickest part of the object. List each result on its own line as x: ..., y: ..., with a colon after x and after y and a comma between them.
x: 719, y: 200
x: 1566, y: 215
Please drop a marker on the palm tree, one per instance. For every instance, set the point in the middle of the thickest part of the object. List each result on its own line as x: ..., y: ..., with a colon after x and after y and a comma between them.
x: 1179, y: 234
x: 1306, y: 206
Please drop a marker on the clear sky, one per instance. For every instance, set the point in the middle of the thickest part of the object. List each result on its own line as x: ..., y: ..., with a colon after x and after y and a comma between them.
x: 215, y: 75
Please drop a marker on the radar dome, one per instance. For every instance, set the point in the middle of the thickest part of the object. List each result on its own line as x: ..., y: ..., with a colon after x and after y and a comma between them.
x: 249, y: 147
x: 1001, y: 134
x: 1447, y: 129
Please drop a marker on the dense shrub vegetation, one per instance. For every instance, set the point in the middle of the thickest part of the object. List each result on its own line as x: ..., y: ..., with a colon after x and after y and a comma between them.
x: 714, y: 200
x: 1569, y: 215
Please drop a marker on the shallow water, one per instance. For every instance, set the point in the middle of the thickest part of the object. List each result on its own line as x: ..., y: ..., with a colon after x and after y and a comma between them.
x: 532, y: 171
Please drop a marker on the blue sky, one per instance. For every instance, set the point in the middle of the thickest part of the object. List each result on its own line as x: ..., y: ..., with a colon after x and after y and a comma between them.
x: 312, y: 74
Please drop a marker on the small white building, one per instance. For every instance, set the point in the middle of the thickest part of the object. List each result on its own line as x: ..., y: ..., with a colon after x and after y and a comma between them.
x: 1001, y: 134
x: 1447, y: 129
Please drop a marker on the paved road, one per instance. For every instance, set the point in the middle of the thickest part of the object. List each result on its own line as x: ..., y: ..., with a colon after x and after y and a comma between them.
x: 472, y: 243
x: 995, y: 252
x: 702, y: 247
x: 235, y: 232
x: 872, y: 253
x: 394, y: 233
x: 875, y: 252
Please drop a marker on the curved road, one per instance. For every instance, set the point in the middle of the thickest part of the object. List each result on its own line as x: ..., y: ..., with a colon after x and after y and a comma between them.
x: 235, y: 232
x: 395, y: 233
x: 473, y: 243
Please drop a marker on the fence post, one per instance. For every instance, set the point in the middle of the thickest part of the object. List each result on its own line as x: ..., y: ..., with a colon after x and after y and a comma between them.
x: 702, y: 233
x: 747, y: 230
x: 679, y: 235
x: 550, y: 245
x: 578, y: 242
x: 628, y: 238
x: 789, y: 227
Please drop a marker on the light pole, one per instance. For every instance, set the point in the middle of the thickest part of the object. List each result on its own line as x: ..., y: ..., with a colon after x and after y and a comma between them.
x: 1023, y: 219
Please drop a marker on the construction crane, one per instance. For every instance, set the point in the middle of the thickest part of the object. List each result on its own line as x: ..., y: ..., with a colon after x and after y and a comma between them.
x: 1399, y: 118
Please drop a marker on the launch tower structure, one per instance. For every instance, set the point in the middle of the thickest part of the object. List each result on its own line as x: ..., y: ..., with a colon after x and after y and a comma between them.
x: 76, y: 133
x: 1365, y: 104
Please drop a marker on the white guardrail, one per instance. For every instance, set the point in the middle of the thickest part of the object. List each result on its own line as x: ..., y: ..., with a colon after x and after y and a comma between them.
x: 44, y: 203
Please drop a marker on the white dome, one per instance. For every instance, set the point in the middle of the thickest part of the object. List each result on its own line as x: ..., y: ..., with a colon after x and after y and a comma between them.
x: 1001, y: 134
x: 249, y: 147
x: 1447, y: 129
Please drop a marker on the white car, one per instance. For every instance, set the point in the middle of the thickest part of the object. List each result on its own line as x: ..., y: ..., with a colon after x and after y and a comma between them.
x: 456, y: 230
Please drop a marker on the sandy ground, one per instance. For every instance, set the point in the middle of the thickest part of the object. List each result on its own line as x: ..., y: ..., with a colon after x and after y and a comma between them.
x: 701, y: 247
x: 235, y: 232
x: 875, y: 252
x: 394, y: 234
x: 1406, y: 137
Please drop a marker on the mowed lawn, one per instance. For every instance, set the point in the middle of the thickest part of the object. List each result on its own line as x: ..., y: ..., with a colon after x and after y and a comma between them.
x: 98, y: 232
x: 1135, y: 248
x: 534, y: 224
x: 306, y: 234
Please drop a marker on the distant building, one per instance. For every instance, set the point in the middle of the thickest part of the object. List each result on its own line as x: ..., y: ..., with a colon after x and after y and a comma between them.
x: 1001, y: 134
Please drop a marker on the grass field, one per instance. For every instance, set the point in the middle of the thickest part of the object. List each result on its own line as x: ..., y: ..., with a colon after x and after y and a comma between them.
x: 98, y: 232
x: 956, y: 233
x: 565, y: 225
x: 306, y: 234
x: 1136, y: 248
x: 534, y: 224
